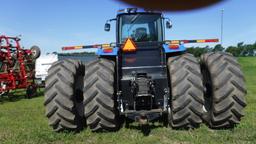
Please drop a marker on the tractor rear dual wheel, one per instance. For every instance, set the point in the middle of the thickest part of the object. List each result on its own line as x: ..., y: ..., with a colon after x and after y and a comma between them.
x: 64, y: 95
x: 187, y: 96
x: 74, y: 92
x: 100, y: 107
x: 225, y: 90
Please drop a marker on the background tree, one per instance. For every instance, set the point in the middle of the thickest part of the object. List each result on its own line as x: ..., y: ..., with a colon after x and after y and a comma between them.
x: 218, y: 47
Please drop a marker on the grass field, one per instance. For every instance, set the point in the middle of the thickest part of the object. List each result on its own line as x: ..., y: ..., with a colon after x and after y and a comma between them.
x: 23, y: 121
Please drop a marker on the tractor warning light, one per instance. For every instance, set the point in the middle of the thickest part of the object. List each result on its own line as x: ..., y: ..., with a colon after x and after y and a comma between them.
x: 174, y: 46
x: 107, y: 49
x: 129, y: 46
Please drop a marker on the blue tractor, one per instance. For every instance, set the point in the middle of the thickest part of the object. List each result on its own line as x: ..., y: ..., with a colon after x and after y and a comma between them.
x: 144, y: 78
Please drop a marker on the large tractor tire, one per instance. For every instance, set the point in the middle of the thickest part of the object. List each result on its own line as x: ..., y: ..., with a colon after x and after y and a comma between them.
x: 64, y: 95
x: 186, y: 92
x: 100, y: 107
x: 225, y: 90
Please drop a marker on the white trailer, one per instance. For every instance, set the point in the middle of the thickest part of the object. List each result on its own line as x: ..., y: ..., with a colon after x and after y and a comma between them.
x: 43, y: 63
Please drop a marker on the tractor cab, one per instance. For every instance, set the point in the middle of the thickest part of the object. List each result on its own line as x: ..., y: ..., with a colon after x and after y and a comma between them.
x: 142, y: 64
x: 145, y: 31
x: 139, y: 25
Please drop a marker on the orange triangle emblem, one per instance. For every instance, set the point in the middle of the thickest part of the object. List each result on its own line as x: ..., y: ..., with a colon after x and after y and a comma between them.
x: 129, y: 46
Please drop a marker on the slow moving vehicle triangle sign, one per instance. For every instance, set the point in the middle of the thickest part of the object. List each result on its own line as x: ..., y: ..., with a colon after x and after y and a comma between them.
x: 129, y: 46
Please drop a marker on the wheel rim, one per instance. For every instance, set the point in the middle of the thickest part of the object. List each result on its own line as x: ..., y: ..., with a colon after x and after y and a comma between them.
x: 33, y: 52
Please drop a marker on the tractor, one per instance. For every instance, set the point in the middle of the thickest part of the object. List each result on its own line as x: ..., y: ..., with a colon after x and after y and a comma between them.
x: 144, y: 78
x: 17, y: 66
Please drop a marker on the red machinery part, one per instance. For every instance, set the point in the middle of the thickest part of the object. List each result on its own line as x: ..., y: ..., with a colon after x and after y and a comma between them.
x: 14, y: 71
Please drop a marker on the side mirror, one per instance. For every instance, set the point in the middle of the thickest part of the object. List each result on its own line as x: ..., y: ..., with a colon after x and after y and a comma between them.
x: 168, y: 24
x: 107, y: 27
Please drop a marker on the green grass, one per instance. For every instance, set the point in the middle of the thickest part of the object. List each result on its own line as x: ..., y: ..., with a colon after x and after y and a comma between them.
x: 23, y: 121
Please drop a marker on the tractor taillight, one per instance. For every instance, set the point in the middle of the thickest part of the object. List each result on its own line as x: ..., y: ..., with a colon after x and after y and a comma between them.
x: 107, y: 49
x: 129, y: 46
x: 174, y: 46
x: 212, y: 40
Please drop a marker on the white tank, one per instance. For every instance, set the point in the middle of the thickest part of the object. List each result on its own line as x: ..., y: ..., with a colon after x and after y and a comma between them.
x: 43, y: 63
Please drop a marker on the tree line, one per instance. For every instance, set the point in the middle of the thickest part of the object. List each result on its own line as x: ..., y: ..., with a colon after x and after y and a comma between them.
x: 240, y: 50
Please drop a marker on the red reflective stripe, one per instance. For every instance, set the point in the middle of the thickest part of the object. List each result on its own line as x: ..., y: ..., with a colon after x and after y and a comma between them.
x: 212, y: 40
x: 185, y: 41
x: 68, y: 48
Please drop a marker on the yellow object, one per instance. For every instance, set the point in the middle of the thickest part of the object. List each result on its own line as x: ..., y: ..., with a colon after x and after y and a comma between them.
x: 175, y: 42
x: 105, y: 45
x: 129, y: 46
x: 78, y: 47
x: 200, y: 41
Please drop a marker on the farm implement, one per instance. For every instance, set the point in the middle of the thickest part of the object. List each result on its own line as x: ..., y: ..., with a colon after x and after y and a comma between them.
x: 16, y: 66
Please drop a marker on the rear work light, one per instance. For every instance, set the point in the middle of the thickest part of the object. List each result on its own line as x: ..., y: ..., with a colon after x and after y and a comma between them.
x: 129, y: 46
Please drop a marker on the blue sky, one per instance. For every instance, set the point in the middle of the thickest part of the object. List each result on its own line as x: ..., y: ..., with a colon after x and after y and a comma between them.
x: 52, y: 24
